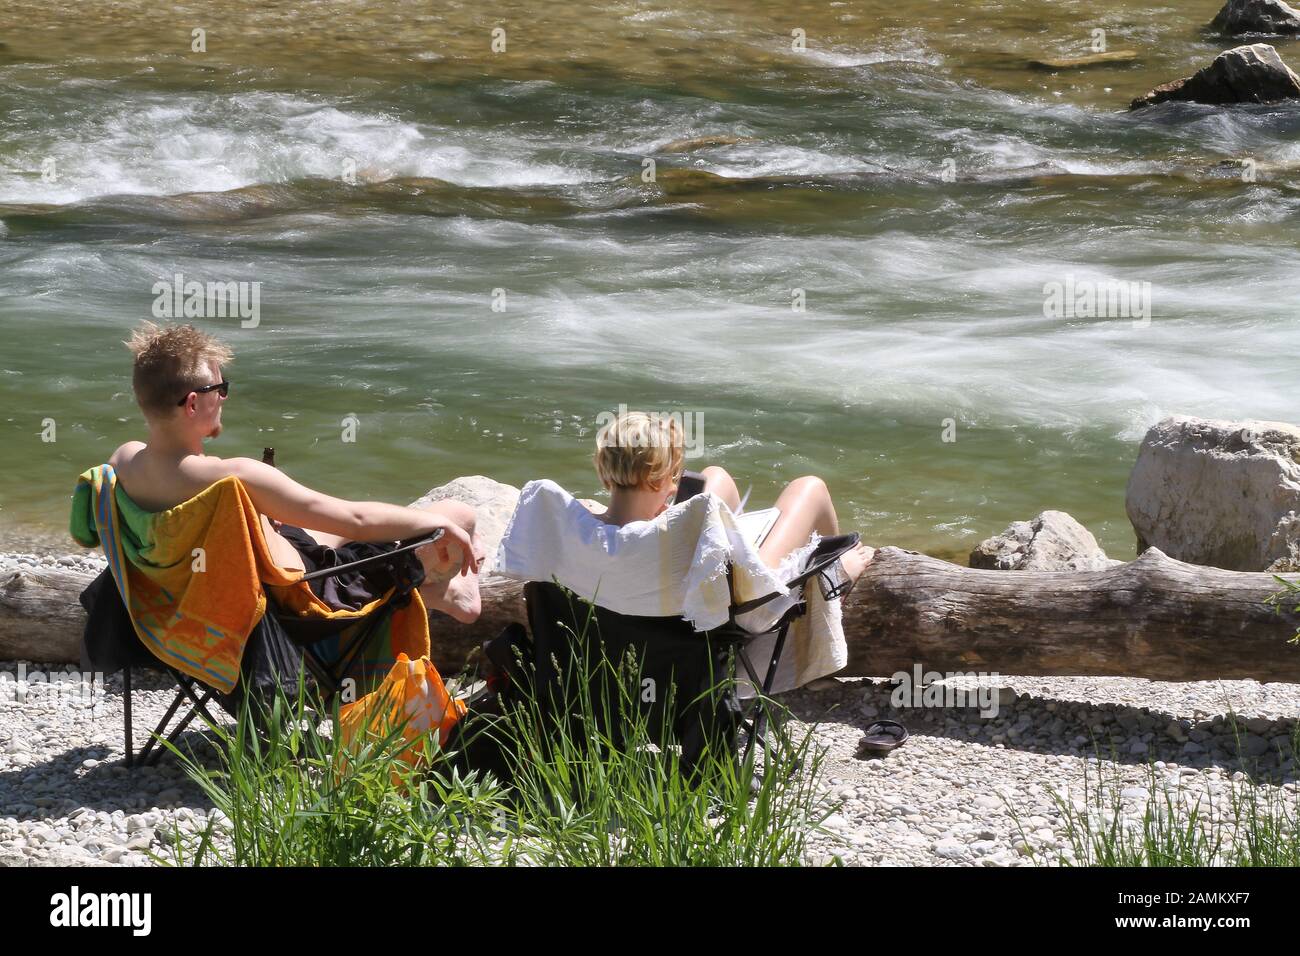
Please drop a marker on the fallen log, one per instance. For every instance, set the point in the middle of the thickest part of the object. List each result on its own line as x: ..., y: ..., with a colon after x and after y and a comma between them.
x: 40, y: 617
x: 1154, y: 617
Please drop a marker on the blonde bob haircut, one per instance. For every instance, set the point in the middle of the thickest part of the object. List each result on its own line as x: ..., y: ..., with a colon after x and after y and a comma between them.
x: 639, y: 451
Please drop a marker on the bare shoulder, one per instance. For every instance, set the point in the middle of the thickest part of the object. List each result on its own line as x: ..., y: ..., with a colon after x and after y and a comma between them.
x: 210, y: 468
x: 251, y: 472
x: 124, y: 454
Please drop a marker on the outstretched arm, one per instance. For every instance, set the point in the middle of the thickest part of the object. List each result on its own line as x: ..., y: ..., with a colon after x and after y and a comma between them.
x: 278, y: 496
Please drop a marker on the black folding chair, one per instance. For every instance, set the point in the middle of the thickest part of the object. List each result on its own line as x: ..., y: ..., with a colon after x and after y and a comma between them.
x: 695, y: 701
x: 281, y: 646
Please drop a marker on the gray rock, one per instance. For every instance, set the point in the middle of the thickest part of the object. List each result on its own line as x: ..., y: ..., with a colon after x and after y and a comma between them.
x: 1219, y: 493
x: 951, y: 849
x: 1257, y: 17
x: 1244, y: 74
x: 1254, y: 745
x: 1053, y: 541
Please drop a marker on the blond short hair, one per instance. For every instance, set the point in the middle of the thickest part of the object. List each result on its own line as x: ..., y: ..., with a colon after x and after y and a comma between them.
x: 638, y: 450
x: 170, y: 362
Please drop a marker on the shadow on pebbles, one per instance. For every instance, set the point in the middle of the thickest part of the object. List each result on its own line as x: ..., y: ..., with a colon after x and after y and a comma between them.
x: 965, y: 789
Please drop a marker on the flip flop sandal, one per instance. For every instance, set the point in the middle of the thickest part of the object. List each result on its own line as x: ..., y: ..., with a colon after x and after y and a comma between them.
x: 835, y: 581
x: 882, y: 737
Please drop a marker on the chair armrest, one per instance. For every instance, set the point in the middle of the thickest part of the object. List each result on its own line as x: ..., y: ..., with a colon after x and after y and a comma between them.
x: 828, y: 551
x: 411, y: 544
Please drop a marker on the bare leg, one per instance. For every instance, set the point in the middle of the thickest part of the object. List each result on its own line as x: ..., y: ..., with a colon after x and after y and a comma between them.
x: 806, y: 507
x: 721, y: 484
x: 445, y: 588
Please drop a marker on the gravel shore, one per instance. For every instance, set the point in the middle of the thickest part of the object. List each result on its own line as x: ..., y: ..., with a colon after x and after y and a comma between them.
x: 964, y: 790
x: 970, y: 790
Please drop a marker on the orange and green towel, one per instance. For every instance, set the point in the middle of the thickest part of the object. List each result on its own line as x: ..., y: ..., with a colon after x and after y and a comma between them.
x: 194, y: 577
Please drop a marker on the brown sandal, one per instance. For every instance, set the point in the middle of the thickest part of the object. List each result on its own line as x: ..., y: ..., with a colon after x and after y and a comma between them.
x: 882, y: 737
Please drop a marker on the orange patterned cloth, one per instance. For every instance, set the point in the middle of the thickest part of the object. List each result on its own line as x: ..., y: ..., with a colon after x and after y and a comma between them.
x: 411, y: 698
x: 192, y: 577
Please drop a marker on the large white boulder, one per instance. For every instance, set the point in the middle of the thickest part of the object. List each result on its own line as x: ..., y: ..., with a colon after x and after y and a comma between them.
x: 494, y: 501
x: 1219, y: 493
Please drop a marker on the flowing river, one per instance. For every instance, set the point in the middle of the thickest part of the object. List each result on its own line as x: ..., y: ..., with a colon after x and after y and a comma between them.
x: 837, y: 236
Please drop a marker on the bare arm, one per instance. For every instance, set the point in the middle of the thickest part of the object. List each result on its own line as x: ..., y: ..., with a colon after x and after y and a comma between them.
x: 278, y: 496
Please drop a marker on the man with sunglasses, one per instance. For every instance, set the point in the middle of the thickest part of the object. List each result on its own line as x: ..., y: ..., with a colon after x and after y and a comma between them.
x: 179, y: 385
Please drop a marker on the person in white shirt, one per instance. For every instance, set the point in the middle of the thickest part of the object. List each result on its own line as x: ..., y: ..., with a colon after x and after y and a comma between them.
x: 640, y: 458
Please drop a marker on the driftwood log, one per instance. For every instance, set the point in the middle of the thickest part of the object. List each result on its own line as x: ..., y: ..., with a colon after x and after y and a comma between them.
x: 1153, y: 617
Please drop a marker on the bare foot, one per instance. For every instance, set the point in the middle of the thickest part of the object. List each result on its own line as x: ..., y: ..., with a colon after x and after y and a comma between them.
x: 446, y: 589
x: 855, y: 562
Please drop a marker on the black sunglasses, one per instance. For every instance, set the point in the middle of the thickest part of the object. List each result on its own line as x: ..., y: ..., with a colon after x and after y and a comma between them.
x: 222, y: 387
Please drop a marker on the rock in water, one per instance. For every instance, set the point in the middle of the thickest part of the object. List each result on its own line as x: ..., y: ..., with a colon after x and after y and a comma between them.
x: 1244, y: 74
x: 1053, y: 541
x: 1080, y: 62
x: 1257, y: 16
x: 1219, y: 493
x: 703, y: 142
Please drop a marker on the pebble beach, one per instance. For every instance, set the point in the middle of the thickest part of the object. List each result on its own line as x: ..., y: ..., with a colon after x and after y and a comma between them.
x: 964, y: 790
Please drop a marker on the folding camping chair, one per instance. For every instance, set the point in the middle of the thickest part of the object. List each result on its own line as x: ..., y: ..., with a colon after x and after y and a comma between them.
x: 695, y: 701
x: 280, y: 644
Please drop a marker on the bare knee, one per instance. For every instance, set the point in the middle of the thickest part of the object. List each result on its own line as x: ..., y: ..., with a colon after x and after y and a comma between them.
x: 464, y: 515
x: 810, y: 494
x: 809, y: 486
x: 718, y: 481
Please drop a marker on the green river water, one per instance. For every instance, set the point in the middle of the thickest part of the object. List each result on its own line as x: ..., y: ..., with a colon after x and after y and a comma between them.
x: 387, y: 177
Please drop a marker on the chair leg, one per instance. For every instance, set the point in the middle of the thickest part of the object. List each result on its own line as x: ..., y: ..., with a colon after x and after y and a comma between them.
x: 158, y: 731
x: 777, y: 648
x: 176, y: 732
x: 758, y: 725
x: 198, y: 706
x: 126, y: 717
x: 756, y: 728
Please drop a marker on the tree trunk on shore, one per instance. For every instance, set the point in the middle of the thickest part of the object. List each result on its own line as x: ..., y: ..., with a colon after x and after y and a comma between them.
x: 1154, y: 617
x: 40, y: 616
